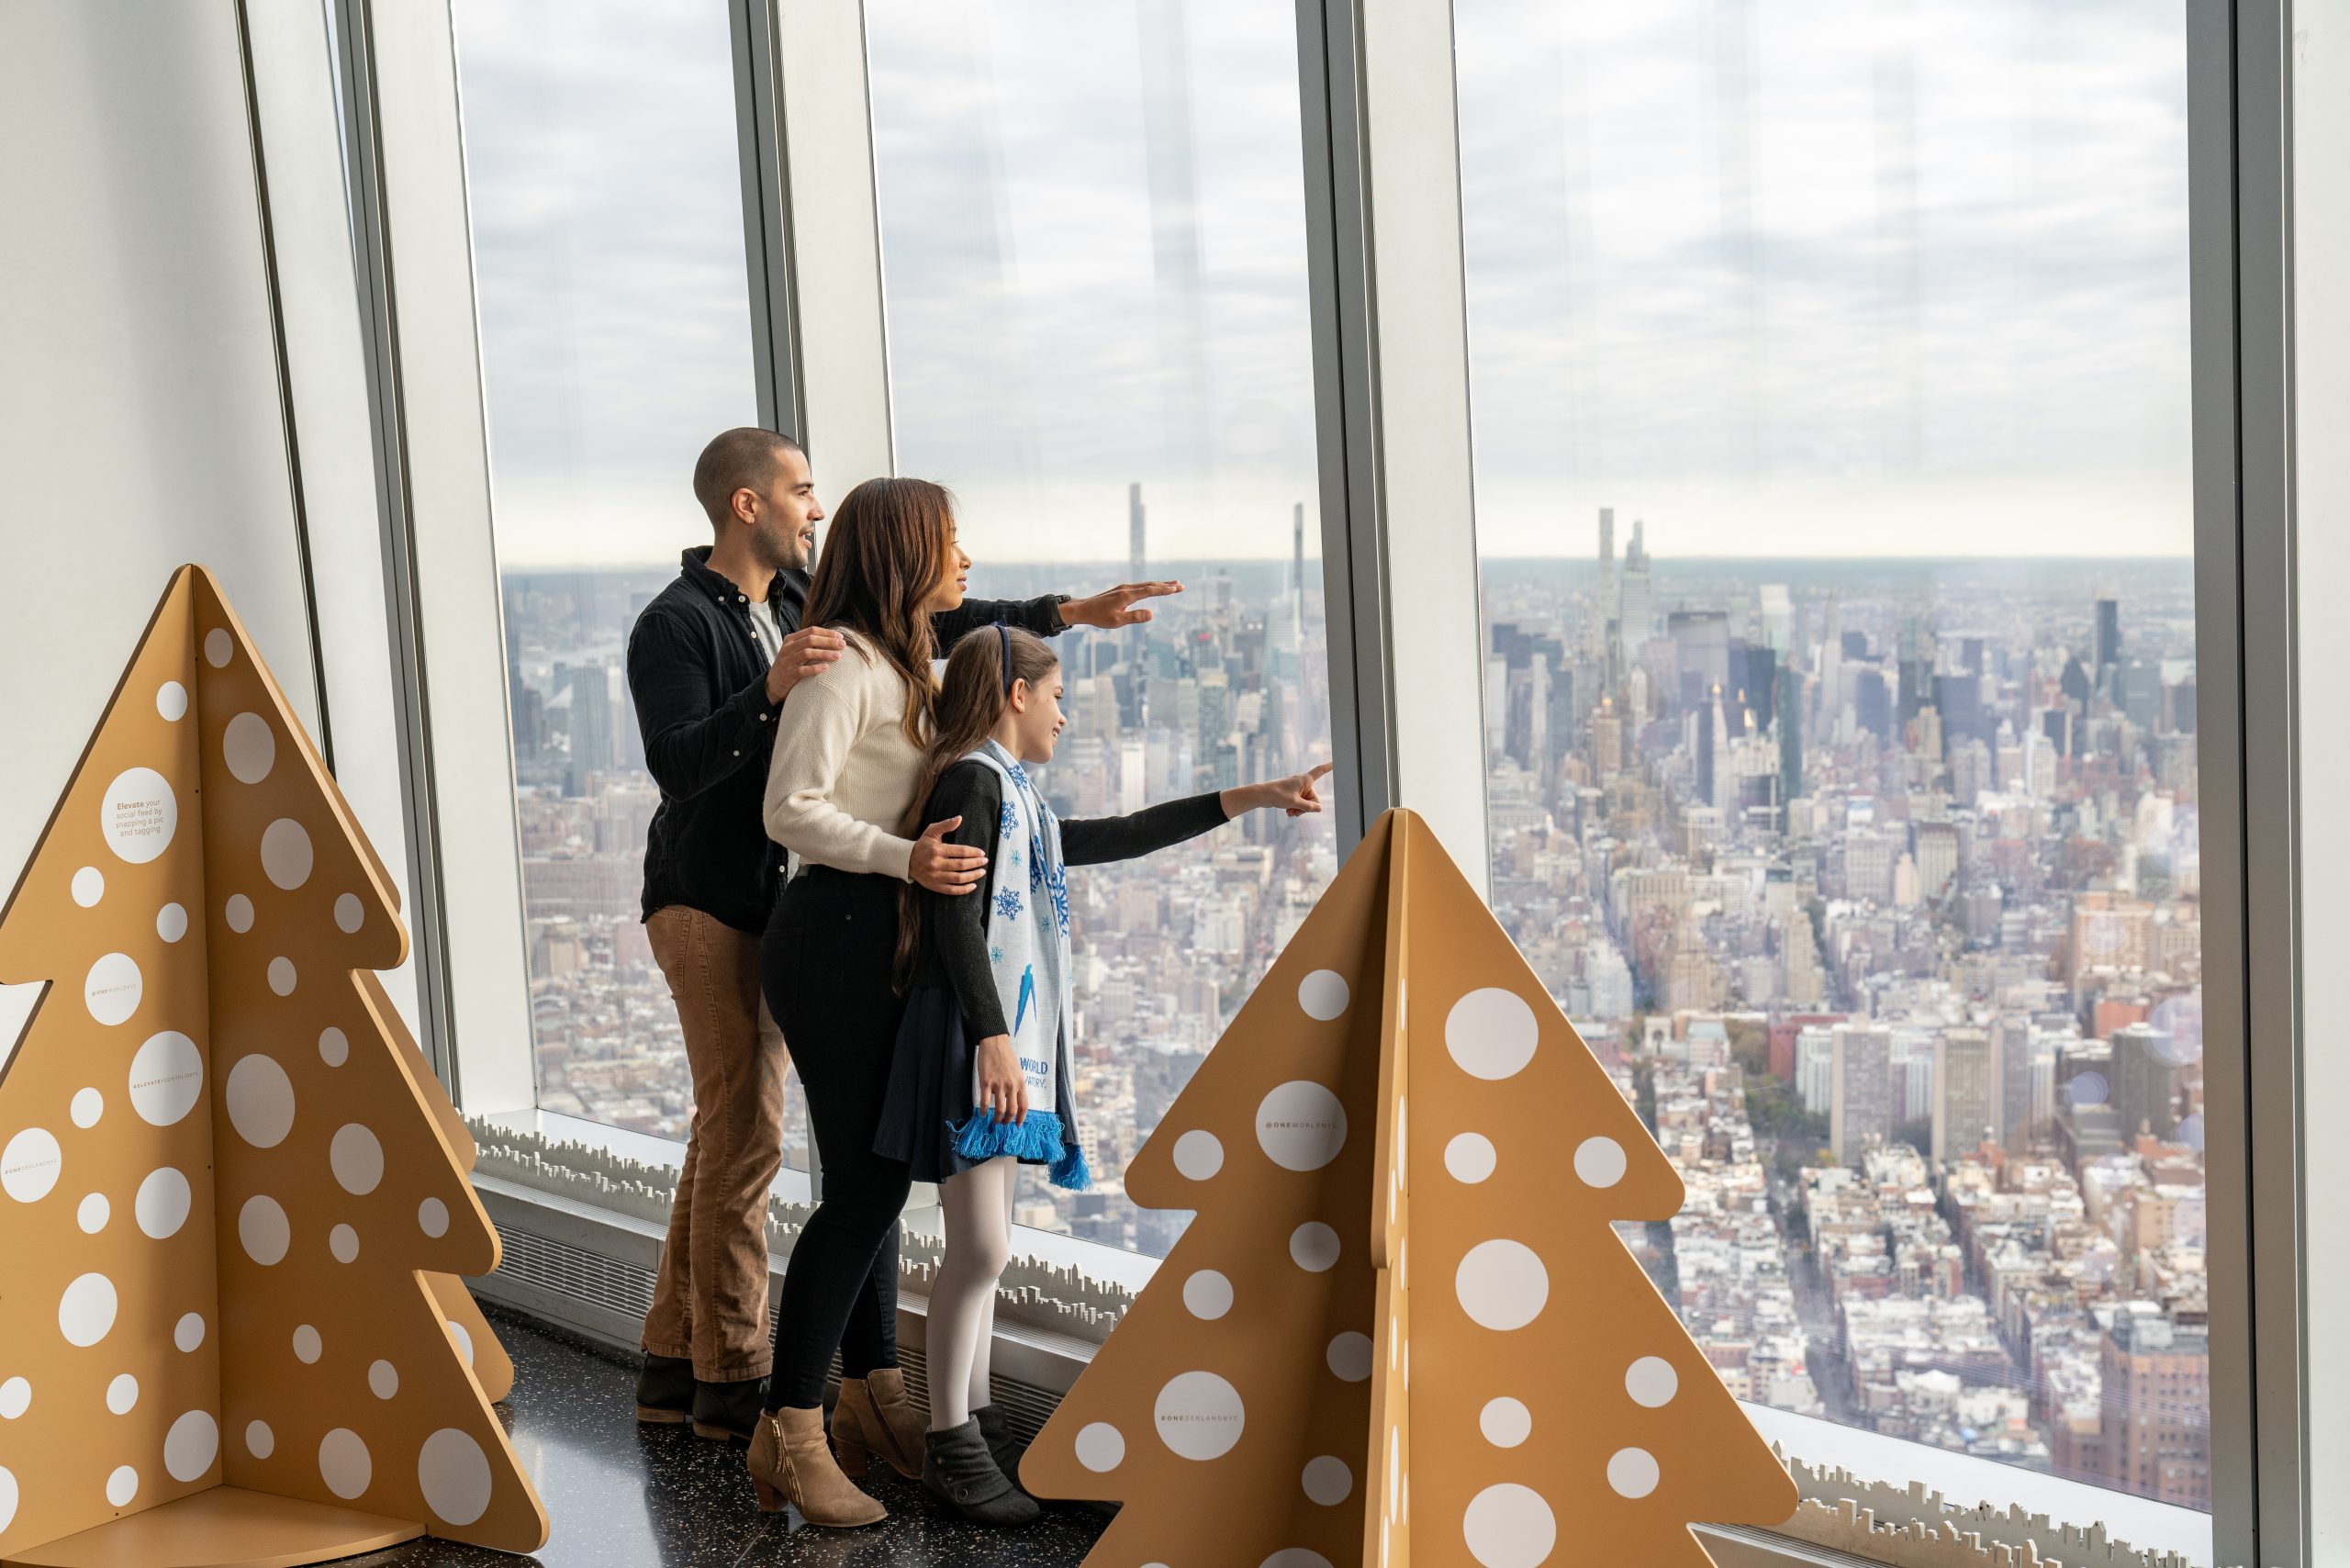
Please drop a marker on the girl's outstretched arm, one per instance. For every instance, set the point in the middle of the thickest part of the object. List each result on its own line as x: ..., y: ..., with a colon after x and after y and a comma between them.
x: 1090, y: 841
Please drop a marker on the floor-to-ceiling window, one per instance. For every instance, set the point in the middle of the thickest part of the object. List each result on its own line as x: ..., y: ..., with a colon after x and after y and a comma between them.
x: 1093, y: 256
x: 606, y: 202
x: 1831, y: 385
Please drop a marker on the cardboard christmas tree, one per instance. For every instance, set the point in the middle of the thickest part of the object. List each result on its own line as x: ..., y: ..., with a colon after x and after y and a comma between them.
x: 1400, y: 1145
x: 234, y: 1214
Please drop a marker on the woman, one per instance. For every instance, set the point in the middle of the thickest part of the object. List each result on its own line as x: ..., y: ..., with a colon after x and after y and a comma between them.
x: 848, y: 757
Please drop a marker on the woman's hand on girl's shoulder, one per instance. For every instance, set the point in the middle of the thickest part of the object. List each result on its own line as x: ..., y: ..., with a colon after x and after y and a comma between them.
x: 1298, y: 795
x: 952, y: 869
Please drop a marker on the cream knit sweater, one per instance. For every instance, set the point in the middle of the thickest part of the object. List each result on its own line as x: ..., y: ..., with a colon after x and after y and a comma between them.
x: 843, y: 774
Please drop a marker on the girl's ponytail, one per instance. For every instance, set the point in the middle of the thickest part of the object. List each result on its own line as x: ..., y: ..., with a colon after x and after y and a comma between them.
x: 973, y: 699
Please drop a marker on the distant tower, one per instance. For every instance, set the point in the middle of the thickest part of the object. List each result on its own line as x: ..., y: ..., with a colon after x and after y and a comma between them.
x: 1606, y: 559
x: 1712, y: 740
x: 2109, y: 636
x: 1635, y: 615
x: 1789, y: 713
x: 1136, y: 556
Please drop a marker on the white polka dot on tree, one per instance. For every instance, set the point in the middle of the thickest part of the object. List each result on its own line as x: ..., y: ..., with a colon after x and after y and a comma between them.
x: 1491, y: 1033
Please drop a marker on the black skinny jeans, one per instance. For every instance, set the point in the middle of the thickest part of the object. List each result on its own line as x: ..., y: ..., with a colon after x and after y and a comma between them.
x: 824, y: 966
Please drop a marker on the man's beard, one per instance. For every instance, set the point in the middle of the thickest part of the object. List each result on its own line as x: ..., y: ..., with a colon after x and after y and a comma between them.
x: 788, y: 555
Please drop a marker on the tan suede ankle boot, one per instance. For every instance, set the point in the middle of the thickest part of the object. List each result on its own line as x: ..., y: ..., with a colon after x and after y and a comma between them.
x: 789, y: 1463
x: 874, y: 1415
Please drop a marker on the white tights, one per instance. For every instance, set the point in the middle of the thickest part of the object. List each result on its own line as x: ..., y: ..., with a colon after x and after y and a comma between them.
x: 962, y: 1298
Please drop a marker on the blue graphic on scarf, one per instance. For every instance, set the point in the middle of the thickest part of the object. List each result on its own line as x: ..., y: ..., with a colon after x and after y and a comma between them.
x: 1030, y: 960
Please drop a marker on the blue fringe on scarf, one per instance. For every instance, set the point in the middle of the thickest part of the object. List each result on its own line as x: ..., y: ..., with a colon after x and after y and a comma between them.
x: 1037, y: 1139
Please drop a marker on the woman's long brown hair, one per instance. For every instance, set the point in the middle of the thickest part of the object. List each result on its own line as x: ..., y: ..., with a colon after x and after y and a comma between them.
x: 885, y: 553
x: 972, y: 702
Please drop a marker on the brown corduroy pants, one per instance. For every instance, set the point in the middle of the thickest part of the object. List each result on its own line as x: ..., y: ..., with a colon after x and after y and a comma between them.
x: 709, y: 1301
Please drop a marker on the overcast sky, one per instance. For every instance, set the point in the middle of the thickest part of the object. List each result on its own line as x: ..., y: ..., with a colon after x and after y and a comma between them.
x: 1819, y: 276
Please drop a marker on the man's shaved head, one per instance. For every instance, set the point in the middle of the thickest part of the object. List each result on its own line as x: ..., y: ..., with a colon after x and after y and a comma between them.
x: 744, y: 458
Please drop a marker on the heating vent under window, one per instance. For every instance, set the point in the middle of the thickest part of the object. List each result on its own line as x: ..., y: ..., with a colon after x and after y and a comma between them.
x: 586, y: 1277
x: 587, y: 1292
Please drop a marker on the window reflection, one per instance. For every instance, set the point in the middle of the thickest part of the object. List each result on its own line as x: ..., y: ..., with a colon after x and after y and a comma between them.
x: 601, y: 175
x: 1831, y: 387
x: 1094, y: 265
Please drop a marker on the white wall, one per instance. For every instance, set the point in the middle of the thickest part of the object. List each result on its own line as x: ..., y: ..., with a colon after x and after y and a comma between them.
x: 139, y: 424
x: 2322, y: 348
x: 140, y: 420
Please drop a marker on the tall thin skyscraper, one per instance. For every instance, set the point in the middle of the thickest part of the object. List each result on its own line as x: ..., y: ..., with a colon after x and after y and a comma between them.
x: 1787, y: 711
x: 1137, y: 557
x: 1606, y: 559
x: 1635, y: 614
x: 2108, y: 635
x: 1710, y: 743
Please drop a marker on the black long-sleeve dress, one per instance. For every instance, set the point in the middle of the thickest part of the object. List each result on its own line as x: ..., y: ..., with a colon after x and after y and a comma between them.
x: 952, y: 1005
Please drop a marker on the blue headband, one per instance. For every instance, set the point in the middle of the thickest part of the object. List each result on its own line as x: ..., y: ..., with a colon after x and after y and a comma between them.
x: 1004, y: 637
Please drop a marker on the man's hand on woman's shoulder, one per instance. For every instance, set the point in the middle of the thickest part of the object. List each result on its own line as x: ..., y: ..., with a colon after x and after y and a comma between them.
x: 804, y: 655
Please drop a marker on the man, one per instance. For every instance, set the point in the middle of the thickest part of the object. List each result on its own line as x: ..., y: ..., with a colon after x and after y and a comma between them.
x: 710, y: 663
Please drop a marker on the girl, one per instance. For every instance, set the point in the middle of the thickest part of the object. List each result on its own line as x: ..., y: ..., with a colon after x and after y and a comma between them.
x: 980, y: 1080
x: 848, y: 760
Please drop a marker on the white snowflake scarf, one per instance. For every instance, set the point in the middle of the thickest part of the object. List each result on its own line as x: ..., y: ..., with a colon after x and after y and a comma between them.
x: 1028, y: 935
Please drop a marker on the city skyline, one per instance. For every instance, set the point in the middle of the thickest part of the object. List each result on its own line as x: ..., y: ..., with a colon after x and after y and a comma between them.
x: 1876, y: 886
x: 1822, y: 948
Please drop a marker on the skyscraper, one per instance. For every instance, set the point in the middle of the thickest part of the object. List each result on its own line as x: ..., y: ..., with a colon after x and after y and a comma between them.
x: 2108, y: 635
x: 1711, y: 742
x: 589, y: 722
x: 1606, y: 558
x: 2019, y: 1062
x: 2145, y: 1081
x: 1966, y: 1094
x: 1137, y: 557
x: 1787, y: 712
x: 1859, y: 1093
x: 1635, y: 612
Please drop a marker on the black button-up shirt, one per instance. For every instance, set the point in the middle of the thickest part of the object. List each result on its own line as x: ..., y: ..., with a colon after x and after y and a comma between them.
x: 698, y: 680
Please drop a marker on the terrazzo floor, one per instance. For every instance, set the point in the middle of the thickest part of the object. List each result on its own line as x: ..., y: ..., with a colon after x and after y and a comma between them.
x: 659, y: 1498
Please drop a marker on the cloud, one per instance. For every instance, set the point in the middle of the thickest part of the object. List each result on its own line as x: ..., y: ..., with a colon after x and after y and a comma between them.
x: 608, y: 256
x: 1792, y: 267
x: 1727, y: 252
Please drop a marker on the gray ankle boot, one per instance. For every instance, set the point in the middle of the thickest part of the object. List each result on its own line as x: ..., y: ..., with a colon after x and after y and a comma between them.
x: 1002, y: 1447
x: 958, y: 1469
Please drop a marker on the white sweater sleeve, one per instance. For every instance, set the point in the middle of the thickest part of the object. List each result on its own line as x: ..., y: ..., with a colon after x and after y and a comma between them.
x: 823, y: 719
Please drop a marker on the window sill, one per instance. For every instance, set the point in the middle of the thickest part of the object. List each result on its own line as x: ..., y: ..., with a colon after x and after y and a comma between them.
x: 1107, y: 1264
